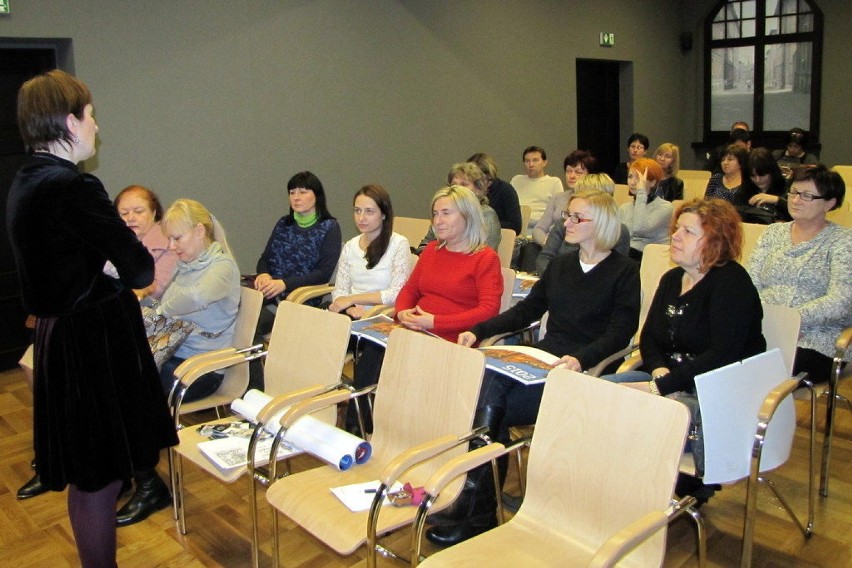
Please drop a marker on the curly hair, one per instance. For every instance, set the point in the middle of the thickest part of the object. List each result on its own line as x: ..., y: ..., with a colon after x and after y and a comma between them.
x: 723, y: 232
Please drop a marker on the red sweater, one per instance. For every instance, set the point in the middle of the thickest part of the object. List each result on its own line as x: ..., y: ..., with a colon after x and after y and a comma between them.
x: 460, y: 289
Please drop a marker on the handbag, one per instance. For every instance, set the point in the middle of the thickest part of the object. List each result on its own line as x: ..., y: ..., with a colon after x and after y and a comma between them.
x: 164, y: 334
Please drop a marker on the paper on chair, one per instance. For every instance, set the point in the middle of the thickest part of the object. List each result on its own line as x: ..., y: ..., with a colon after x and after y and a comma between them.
x: 359, y: 496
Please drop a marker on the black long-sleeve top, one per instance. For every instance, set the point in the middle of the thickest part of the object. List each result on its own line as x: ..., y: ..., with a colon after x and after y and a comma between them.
x: 503, y: 199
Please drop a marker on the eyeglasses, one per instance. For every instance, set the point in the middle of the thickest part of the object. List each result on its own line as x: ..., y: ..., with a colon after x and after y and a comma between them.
x: 574, y: 218
x: 803, y: 196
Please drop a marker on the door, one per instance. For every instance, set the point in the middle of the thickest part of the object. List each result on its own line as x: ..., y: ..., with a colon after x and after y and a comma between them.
x: 599, y: 110
x: 16, y: 66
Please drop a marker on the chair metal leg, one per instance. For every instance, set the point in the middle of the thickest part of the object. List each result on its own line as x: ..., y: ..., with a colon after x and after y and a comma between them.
x: 830, y: 408
x: 173, y: 483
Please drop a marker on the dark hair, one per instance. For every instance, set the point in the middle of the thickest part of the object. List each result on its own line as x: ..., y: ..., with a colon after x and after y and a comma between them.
x: 737, y: 124
x: 538, y: 149
x: 722, y: 227
x: 148, y: 195
x: 740, y: 153
x: 44, y: 103
x: 761, y: 163
x: 377, y: 249
x: 829, y: 184
x: 739, y: 135
x: 581, y: 157
x: 641, y: 138
x: 310, y: 181
x: 797, y: 136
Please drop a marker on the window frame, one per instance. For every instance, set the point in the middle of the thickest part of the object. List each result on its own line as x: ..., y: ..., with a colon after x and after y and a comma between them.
x: 759, y: 42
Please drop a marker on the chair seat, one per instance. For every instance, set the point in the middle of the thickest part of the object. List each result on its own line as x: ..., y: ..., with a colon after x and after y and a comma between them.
x: 306, y: 499
x: 188, y: 448
x: 687, y: 464
x: 522, y: 542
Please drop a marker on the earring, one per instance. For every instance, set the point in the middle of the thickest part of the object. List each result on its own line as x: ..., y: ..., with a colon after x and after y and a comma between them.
x: 75, y: 139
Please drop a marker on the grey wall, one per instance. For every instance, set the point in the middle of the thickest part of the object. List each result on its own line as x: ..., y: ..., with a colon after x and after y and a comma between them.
x: 224, y: 101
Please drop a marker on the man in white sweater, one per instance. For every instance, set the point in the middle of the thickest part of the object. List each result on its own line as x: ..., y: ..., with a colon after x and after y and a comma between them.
x: 536, y: 188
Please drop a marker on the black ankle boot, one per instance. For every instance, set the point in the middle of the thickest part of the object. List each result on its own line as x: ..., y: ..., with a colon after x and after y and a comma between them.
x: 475, y: 509
x: 151, y: 496
x: 32, y: 488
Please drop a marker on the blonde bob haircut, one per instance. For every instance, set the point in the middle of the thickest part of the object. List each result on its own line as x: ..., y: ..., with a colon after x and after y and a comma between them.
x: 675, y: 152
x: 466, y: 202
x: 185, y: 214
x: 600, y: 182
x: 604, y: 215
x: 470, y: 172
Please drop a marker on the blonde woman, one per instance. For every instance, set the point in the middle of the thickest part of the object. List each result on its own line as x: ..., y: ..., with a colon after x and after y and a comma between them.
x: 671, y: 186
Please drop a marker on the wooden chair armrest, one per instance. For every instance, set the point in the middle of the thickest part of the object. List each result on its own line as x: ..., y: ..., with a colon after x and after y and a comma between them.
x: 776, y: 396
x: 843, y: 341
x: 379, y: 309
x: 628, y: 538
x: 284, y: 400
x: 630, y: 364
x: 414, y: 455
x: 599, y: 368
x: 312, y: 404
x: 184, y: 367
x: 304, y: 293
x: 461, y: 464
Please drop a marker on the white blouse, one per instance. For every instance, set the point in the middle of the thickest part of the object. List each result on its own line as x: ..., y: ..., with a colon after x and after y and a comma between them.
x: 386, y: 277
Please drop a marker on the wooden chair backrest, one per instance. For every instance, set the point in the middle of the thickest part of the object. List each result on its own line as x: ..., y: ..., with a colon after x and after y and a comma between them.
x: 781, y: 330
x: 411, y: 228
x: 508, y: 286
x: 506, y: 247
x: 751, y: 234
x: 843, y: 214
x: 693, y: 188
x: 308, y: 346
x: 622, y: 194
x: 729, y: 398
x: 655, y: 262
x: 428, y: 387
x: 526, y: 213
x: 235, y: 379
x: 701, y: 175
x: 576, y: 489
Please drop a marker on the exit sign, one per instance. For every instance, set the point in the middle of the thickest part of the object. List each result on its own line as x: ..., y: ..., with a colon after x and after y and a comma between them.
x: 607, y: 39
x: 4, y: 6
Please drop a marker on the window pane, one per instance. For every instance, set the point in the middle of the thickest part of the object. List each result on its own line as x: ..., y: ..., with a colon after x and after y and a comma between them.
x: 787, y: 86
x: 718, y: 31
x: 772, y: 25
x: 806, y: 23
x: 771, y: 7
x: 788, y: 6
x: 748, y: 9
x: 731, y: 87
x: 788, y: 25
x: 748, y: 28
x: 804, y: 8
x: 733, y: 30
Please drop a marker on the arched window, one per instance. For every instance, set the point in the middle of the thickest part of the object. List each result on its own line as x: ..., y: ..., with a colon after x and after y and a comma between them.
x: 762, y: 64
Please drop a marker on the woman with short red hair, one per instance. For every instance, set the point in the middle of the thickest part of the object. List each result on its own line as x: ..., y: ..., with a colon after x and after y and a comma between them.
x: 647, y: 216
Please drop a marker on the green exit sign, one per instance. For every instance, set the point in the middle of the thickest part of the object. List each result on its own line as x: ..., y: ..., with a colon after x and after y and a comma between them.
x: 607, y: 39
x: 4, y: 6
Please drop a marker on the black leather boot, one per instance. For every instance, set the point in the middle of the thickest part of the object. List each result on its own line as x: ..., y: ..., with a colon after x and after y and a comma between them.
x: 151, y: 495
x: 475, y: 510
x: 32, y: 488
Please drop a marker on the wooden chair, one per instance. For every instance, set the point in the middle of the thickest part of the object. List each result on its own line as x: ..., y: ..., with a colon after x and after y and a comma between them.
x: 506, y: 247
x: 751, y: 234
x: 236, y: 377
x: 412, y: 228
x: 693, y: 188
x: 526, y: 212
x: 700, y: 175
x: 842, y: 215
x: 307, y: 349
x: 749, y: 423
x: 580, y: 508
x: 508, y: 285
x: 424, y: 406
x: 622, y: 194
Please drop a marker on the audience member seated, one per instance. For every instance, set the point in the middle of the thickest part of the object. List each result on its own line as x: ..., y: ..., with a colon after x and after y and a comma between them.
x: 535, y: 188
x: 557, y: 244
x: 304, y: 246
x: 374, y: 265
x: 456, y: 284
x: 502, y: 197
x: 794, y: 155
x: 646, y: 216
x: 141, y: 210
x: 806, y: 264
x: 741, y: 138
x: 592, y: 296
x: 467, y: 174
x: 637, y: 145
x: 577, y: 164
x: 769, y: 185
x: 671, y: 186
x: 705, y: 314
x: 731, y: 184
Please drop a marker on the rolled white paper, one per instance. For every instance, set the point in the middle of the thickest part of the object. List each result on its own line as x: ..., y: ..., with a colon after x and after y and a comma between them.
x: 333, y: 445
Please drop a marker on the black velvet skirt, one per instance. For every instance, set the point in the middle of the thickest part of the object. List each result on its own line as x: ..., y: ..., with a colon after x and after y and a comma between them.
x: 99, y: 410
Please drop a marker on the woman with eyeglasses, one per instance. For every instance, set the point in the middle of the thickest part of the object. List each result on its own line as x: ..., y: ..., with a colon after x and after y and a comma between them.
x: 806, y: 264
x: 592, y: 295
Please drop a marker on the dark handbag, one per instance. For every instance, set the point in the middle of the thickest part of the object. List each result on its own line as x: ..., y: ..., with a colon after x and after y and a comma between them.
x: 165, y: 334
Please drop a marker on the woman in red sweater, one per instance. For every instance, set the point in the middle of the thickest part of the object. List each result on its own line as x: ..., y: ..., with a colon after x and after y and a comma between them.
x: 455, y: 285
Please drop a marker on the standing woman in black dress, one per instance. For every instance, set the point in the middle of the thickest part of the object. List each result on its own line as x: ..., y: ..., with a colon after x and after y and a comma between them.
x: 99, y: 410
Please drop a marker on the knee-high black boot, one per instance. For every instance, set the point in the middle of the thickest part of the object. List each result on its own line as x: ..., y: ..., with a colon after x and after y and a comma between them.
x: 151, y: 495
x: 475, y: 510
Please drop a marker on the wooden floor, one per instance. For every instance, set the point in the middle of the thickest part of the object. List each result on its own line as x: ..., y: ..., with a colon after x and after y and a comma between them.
x: 36, y: 532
